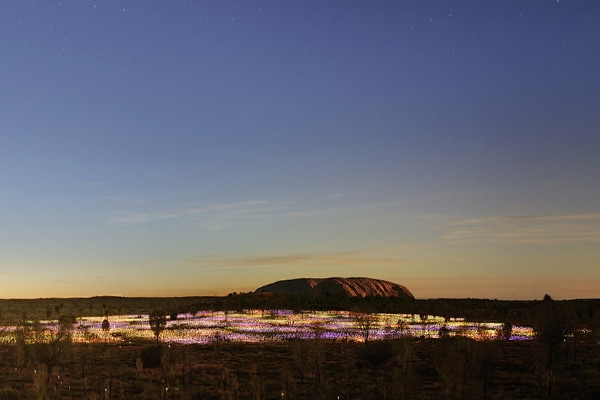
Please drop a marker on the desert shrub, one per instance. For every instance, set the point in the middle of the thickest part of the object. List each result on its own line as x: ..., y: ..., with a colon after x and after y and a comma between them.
x: 454, y: 362
x: 444, y: 331
x: 9, y: 394
x: 151, y: 356
x: 135, y: 388
x: 378, y: 352
x: 127, y: 375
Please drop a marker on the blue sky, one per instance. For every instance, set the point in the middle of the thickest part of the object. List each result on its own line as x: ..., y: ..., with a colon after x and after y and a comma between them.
x: 193, y: 148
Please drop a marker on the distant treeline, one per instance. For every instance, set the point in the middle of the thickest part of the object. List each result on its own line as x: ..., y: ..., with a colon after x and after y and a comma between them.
x: 584, y: 312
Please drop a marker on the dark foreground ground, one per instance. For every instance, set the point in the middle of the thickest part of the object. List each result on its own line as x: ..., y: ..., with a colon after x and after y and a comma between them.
x: 405, y: 368
x: 562, y: 362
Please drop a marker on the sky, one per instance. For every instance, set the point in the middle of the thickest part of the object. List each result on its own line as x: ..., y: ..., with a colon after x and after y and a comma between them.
x: 178, y: 148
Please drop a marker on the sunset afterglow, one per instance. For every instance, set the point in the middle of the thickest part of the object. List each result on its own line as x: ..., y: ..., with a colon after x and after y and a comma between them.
x: 202, y: 148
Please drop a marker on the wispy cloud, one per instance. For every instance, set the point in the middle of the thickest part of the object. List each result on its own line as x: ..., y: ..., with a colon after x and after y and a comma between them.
x: 432, y: 217
x: 142, y: 217
x: 244, y: 209
x: 310, y: 213
x: 532, y: 229
x: 225, y: 206
x: 217, y: 216
x: 330, y: 259
x: 123, y: 200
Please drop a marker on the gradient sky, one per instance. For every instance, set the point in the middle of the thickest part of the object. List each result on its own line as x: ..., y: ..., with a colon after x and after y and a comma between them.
x: 159, y: 148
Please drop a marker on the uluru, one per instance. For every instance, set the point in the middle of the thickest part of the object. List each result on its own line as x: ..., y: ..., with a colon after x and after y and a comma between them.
x: 353, y: 287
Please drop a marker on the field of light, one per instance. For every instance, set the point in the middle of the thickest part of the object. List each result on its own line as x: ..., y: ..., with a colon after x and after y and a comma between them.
x: 258, y: 326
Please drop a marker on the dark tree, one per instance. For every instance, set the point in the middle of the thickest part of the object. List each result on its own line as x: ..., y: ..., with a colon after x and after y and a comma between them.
x: 552, y: 327
x: 454, y: 361
x: 505, y: 332
x: 157, y: 320
x: 365, y: 323
x: 44, y: 346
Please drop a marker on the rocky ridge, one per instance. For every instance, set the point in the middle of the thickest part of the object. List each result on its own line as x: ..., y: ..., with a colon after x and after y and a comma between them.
x: 353, y: 287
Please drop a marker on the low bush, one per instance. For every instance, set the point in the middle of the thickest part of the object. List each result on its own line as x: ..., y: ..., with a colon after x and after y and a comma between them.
x: 151, y: 355
x: 9, y: 394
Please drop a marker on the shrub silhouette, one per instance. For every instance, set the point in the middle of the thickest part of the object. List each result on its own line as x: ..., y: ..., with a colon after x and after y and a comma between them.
x: 151, y: 356
x: 9, y: 394
x: 378, y: 352
x: 157, y: 320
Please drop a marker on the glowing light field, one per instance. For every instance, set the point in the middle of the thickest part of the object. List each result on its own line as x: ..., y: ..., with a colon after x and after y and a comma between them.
x: 254, y: 326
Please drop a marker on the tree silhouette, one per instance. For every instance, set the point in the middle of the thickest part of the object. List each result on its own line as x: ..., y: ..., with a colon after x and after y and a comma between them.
x: 317, y: 351
x: 157, y: 320
x: 364, y: 322
x: 550, y: 332
x: 44, y: 347
x: 405, y: 377
x: 505, y: 332
x: 453, y: 362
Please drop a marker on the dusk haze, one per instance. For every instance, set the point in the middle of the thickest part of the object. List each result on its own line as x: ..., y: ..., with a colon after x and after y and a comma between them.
x: 199, y: 148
